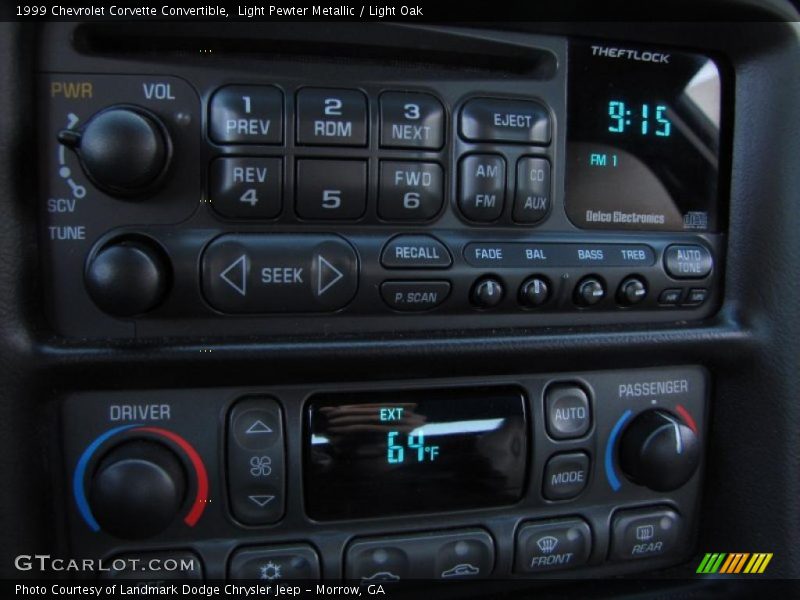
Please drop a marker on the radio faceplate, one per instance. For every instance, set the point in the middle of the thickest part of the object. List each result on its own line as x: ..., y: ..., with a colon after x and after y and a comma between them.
x: 374, y: 200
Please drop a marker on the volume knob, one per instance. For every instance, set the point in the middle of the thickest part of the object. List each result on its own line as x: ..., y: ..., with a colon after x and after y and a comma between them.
x: 124, y: 150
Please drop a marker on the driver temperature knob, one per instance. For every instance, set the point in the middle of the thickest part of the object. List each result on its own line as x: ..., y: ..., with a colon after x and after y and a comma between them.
x: 137, y: 489
x: 124, y: 150
x: 659, y: 451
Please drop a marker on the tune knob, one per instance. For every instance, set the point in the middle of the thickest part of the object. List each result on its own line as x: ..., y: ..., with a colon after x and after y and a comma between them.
x: 659, y: 451
x: 127, y: 277
x: 137, y: 489
x: 124, y: 150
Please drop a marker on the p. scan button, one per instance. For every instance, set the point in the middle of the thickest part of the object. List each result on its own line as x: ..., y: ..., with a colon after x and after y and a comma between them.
x: 263, y: 273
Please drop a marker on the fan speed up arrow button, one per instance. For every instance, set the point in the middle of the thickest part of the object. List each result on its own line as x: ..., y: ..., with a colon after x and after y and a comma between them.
x: 267, y: 273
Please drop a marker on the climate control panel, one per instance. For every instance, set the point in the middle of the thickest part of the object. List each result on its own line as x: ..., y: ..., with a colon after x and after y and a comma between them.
x: 595, y: 472
x: 228, y: 202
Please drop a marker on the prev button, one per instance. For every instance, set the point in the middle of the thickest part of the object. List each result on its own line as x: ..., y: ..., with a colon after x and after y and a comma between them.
x: 262, y: 273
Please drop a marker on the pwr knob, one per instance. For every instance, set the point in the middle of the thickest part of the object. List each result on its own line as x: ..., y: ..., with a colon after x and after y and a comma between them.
x: 124, y: 150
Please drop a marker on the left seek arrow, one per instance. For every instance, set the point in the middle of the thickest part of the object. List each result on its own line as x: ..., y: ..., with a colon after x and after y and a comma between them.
x: 269, y: 273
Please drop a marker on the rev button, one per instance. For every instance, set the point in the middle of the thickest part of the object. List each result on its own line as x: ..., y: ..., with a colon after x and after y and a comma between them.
x: 415, y: 252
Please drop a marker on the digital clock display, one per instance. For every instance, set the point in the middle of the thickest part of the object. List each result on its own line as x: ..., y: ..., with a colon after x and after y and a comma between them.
x: 643, y: 136
x: 389, y: 453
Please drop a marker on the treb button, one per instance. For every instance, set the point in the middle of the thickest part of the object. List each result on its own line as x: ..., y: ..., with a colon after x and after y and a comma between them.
x: 415, y: 252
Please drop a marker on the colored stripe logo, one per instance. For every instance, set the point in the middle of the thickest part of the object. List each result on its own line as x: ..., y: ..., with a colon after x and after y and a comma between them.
x: 734, y: 563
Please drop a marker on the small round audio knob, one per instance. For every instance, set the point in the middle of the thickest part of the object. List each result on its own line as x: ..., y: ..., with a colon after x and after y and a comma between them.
x: 124, y: 150
x: 659, y: 451
x: 137, y: 489
x: 127, y: 277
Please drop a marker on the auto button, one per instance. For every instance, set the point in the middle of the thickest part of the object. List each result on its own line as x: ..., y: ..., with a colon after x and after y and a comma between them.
x: 266, y: 273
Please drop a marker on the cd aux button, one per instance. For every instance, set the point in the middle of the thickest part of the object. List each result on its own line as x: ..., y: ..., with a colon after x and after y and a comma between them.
x: 532, y: 197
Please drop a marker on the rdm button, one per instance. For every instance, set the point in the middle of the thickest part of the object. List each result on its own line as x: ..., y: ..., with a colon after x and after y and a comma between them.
x: 263, y: 273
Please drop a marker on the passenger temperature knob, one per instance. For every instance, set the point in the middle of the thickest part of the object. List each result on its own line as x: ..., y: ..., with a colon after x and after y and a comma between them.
x: 659, y: 451
x: 124, y: 150
x: 137, y: 489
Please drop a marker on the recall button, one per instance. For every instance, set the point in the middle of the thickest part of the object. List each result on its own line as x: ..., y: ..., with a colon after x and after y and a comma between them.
x: 414, y: 295
x: 688, y: 261
x: 415, y: 252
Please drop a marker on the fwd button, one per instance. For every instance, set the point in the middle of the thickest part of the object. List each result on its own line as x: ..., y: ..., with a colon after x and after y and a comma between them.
x: 257, y: 273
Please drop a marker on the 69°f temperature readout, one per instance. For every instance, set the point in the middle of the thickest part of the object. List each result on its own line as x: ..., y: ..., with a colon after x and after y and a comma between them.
x: 414, y: 441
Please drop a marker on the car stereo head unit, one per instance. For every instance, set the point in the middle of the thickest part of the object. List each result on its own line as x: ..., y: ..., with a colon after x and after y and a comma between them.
x: 228, y: 196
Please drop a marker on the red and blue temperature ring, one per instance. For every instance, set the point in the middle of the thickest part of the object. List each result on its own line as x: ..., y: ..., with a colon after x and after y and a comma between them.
x: 78, y: 487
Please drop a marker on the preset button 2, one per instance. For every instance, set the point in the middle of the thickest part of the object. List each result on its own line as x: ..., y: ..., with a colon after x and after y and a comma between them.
x: 331, y: 117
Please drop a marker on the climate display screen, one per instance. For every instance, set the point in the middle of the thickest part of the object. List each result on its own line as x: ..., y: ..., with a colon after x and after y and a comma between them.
x: 391, y: 453
x: 643, y: 136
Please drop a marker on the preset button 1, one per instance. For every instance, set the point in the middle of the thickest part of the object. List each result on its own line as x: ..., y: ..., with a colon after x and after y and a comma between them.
x: 246, y: 114
x: 263, y: 273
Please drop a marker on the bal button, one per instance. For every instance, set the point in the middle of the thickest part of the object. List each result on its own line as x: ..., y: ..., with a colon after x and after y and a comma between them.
x: 568, y: 412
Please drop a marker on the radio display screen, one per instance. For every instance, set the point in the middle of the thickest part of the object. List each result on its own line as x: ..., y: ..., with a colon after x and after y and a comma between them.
x: 643, y: 137
x: 406, y: 452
